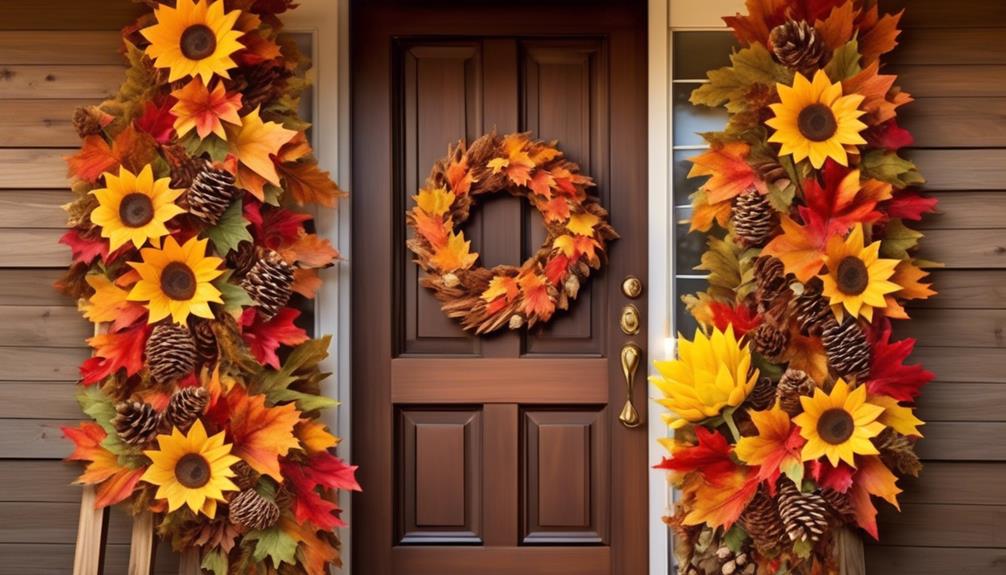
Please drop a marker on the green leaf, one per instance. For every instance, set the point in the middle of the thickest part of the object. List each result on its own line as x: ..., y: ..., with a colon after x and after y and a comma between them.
x: 735, y: 538
x: 898, y: 239
x: 272, y: 194
x: 300, y: 371
x: 731, y: 275
x: 793, y: 470
x: 275, y: 544
x: 890, y: 168
x: 235, y: 297
x: 231, y: 230
x: 781, y: 198
x: 213, y: 145
x: 101, y: 408
x: 844, y: 62
x: 803, y: 548
x: 730, y: 85
x: 216, y: 562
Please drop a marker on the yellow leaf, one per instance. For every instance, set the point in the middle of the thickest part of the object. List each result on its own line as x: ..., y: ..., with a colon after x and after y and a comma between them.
x: 314, y: 436
x: 801, y: 248
x: 107, y: 301
x: 497, y: 164
x: 435, y: 202
x: 900, y: 418
x: 499, y: 286
x: 565, y: 244
x: 909, y: 277
x: 582, y: 224
x: 255, y: 142
x: 873, y: 476
x: 455, y: 255
x: 722, y: 504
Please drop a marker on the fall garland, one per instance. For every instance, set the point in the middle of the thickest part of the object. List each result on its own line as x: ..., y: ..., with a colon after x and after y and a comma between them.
x: 483, y: 299
x: 791, y: 407
x: 204, y: 391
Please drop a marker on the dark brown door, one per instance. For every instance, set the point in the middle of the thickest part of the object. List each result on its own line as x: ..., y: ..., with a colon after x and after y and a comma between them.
x: 497, y: 455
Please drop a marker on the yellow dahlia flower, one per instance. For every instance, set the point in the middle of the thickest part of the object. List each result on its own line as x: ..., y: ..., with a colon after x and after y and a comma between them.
x: 195, y: 38
x: 710, y: 374
x: 134, y: 208
x: 176, y: 280
x: 191, y: 469
x: 814, y: 120
x: 839, y: 425
x: 857, y: 279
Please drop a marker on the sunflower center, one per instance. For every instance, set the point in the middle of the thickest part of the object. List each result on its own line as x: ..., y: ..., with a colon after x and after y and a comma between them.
x: 136, y: 210
x: 852, y: 276
x: 817, y: 122
x: 835, y: 426
x: 198, y: 42
x: 192, y: 471
x: 178, y: 282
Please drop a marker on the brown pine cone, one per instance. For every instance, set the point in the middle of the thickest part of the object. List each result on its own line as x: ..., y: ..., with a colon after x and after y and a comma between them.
x: 770, y: 340
x: 242, y: 259
x: 840, y: 505
x: 206, y: 343
x: 184, y: 168
x: 89, y: 121
x: 755, y: 221
x: 798, y: 46
x: 135, y: 422
x: 771, y: 283
x: 210, y: 194
x: 792, y: 385
x: 811, y: 309
x: 898, y: 452
x: 259, y: 85
x: 762, y: 522
x: 847, y: 348
x: 805, y: 515
x: 244, y: 476
x: 763, y: 395
x: 269, y: 283
x: 185, y: 406
x: 171, y: 352
x: 252, y: 511
x: 772, y: 172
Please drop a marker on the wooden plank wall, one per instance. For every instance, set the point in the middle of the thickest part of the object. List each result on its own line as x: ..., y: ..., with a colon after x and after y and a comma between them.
x: 55, y: 55
x: 952, y: 58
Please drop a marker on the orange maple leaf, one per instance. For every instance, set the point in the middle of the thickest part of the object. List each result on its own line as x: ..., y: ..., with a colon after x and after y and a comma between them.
x: 537, y: 301
x: 555, y: 210
x: 872, y: 478
x: 205, y: 110
x: 721, y: 504
x: 878, y: 36
x: 880, y: 99
x: 309, y: 184
x: 836, y: 30
x: 731, y: 174
x: 454, y: 255
x: 115, y: 482
x: 763, y: 15
x: 314, y: 552
x: 459, y: 177
x: 807, y: 354
x: 310, y: 250
x: 255, y: 143
x: 115, y: 351
x: 704, y: 213
x: 108, y: 304
x: 433, y: 229
x: 799, y: 247
x: 542, y: 183
x: 306, y: 282
x: 261, y: 434
x: 516, y: 163
x: 314, y: 436
x: 909, y: 276
x: 131, y: 148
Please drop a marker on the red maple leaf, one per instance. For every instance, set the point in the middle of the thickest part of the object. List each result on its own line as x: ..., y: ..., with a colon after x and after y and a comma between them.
x: 741, y: 317
x: 85, y: 249
x: 840, y: 200
x: 274, y: 227
x: 115, y: 351
x: 265, y: 337
x: 158, y: 121
x: 889, y: 135
x: 910, y: 205
x: 889, y: 375
x: 323, y: 471
x: 710, y: 457
x: 837, y: 478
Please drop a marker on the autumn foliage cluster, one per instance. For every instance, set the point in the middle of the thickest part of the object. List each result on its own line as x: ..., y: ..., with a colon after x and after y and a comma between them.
x: 792, y: 407
x: 191, y: 257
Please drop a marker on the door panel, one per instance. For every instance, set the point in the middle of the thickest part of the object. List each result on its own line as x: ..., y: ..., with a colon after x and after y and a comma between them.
x: 503, y: 453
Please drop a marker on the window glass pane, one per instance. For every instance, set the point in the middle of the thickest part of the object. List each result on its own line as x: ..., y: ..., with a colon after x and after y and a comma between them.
x: 689, y: 246
x: 689, y: 120
x: 684, y: 186
x: 695, y: 53
x: 683, y: 321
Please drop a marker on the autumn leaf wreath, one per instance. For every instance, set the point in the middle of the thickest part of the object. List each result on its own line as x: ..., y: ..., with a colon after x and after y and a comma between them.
x: 791, y: 408
x: 190, y: 259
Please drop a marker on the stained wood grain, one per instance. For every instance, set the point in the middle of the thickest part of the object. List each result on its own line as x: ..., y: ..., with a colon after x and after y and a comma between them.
x: 42, y: 326
x: 49, y: 522
x: 983, y: 365
x: 958, y: 525
x: 949, y: 46
x: 966, y: 211
x: 957, y: 482
x: 955, y: 122
x: 34, y: 438
x: 971, y: 249
x: 33, y: 248
x: 59, y: 82
x: 64, y: 15
x: 40, y: 123
x: 953, y: 81
x: 961, y: 441
x: 956, y: 328
x: 33, y: 208
x: 57, y: 559
x: 940, y: 14
x: 31, y: 287
x: 416, y: 560
x: 30, y: 168
x: 935, y: 560
x: 963, y: 289
x: 27, y: 480
x: 41, y: 364
x: 961, y: 169
x: 38, y: 400
x: 944, y: 401
x: 76, y: 48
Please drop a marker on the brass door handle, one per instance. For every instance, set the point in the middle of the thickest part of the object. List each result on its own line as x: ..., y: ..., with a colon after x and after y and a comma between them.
x: 630, y: 355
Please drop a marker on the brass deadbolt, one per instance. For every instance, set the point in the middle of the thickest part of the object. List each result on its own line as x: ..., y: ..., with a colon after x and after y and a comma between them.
x: 632, y: 287
x: 629, y: 320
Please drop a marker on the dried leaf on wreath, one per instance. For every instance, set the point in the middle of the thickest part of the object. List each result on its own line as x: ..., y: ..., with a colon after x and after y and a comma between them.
x: 324, y: 471
x: 537, y: 301
x: 307, y: 183
x: 878, y: 36
x: 205, y: 110
x: 705, y: 213
x: 898, y: 239
x: 891, y: 168
x: 109, y: 304
x: 517, y: 164
x: 762, y: 16
x: 85, y: 249
x: 455, y: 255
x: 731, y: 84
x: 800, y: 247
x: 256, y: 142
x: 900, y: 418
x: 265, y: 337
x: 741, y: 316
x: 889, y: 136
x: 132, y: 149
x: 837, y: 28
x: 844, y: 62
x: 776, y: 449
x: 273, y: 543
x: 231, y: 230
x: 909, y: 276
x: 807, y: 354
x: 722, y: 504
x: 314, y: 436
x: 299, y: 378
x: 880, y: 100
x: 274, y: 227
x: 710, y: 456
x: 910, y: 205
x: 260, y: 434
x: 310, y: 250
x: 306, y: 282
x: 115, y: 351
x: 315, y: 551
x: 730, y: 174
x: 888, y: 373
x: 828, y: 476
x: 115, y: 482
x: 843, y: 200
x: 583, y: 224
x: 158, y: 121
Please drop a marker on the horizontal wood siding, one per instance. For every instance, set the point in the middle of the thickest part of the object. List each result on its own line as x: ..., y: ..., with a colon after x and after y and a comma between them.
x: 953, y: 519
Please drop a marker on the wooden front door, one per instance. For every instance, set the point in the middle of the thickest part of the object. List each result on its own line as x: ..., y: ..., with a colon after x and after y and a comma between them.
x: 502, y: 454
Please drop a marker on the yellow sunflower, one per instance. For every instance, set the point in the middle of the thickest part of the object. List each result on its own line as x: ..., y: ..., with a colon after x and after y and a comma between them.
x: 710, y: 374
x: 814, y: 120
x: 857, y: 279
x: 839, y: 425
x: 133, y: 208
x: 191, y: 469
x: 195, y: 38
x: 176, y: 280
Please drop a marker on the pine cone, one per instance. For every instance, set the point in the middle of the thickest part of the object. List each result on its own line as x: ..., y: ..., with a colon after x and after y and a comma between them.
x: 269, y: 284
x: 252, y: 511
x: 206, y: 343
x: 259, y: 85
x: 762, y: 522
x: 136, y: 422
x: 771, y: 283
x: 840, y: 505
x: 171, y: 352
x: 805, y: 515
x: 242, y: 259
x: 797, y: 46
x: 244, y: 476
x: 898, y: 452
x: 811, y: 309
x: 184, y: 168
x: 763, y: 395
x: 772, y: 172
x: 792, y: 385
x: 847, y: 348
x: 89, y: 121
x: 210, y: 194
x: 770, y: 340
x: 185, y: 406
x: 755, y: 221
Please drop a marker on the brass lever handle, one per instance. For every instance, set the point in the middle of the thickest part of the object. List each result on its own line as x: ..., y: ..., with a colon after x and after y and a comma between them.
x: 630, y: 356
